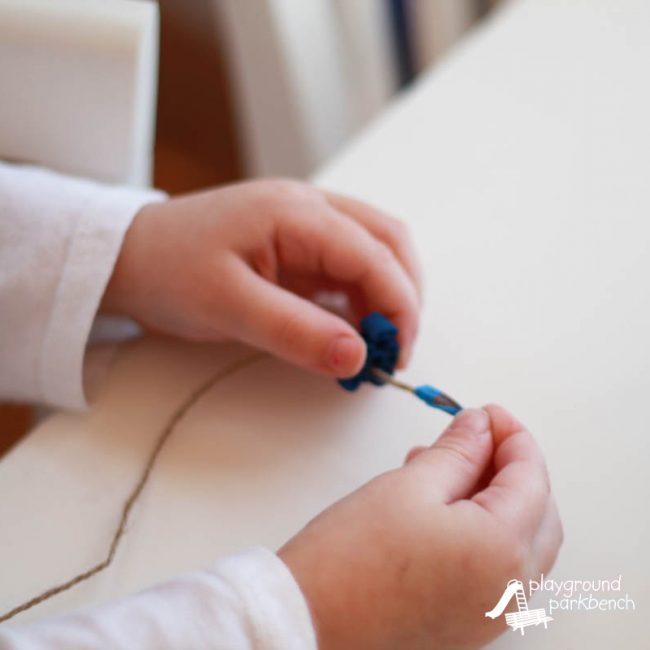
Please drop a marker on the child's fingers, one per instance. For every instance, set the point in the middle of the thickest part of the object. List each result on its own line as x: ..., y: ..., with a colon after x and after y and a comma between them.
x: 293, y: 328
x: 504, y: 424
x: 459, y: 457
x: 341, y: 249
x: 520, y: 489
x: 391, y: 231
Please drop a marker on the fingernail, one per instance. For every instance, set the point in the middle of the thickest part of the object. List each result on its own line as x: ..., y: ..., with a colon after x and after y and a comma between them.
x: 474, y: 421
x: 343, y: 355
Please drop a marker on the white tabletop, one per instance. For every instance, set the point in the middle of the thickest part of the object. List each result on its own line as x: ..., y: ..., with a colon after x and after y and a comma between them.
x: 523, y: 167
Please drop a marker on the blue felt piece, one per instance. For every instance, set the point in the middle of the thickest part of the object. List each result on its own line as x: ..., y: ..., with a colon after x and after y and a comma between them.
x: 380, y: 336
x: 428, y: 395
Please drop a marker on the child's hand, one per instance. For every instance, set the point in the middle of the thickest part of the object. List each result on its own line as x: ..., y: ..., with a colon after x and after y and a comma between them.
x: 242, y: 263
x: 414, y: 559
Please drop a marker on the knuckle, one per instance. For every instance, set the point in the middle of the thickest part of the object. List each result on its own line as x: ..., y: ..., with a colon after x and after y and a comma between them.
x: 287, y: 185
x: 383, y: 255
x: 284, y: 198
x: 396, y: 230
x: 460, y: 454
x: 290, y: 189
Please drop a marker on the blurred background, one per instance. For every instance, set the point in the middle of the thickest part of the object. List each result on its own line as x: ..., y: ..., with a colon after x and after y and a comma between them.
x: 259, y: 87
x: 184, y: 94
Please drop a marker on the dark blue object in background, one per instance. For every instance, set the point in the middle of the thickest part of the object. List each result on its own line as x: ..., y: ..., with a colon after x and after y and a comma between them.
x: 400, y: 24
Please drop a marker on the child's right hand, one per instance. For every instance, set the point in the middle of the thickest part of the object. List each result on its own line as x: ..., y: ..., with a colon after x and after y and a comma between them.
x: 415, y: 558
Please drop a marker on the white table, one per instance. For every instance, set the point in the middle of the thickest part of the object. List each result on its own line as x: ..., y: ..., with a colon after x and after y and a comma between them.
x: 523, y: 166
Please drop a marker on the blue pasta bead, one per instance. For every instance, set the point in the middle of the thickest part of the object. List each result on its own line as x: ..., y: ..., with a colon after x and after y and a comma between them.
x: 380, y: 336
x: 436, y: 398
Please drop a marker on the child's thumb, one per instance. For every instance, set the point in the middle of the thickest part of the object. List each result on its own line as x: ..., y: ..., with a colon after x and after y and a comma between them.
x: 459, y: 457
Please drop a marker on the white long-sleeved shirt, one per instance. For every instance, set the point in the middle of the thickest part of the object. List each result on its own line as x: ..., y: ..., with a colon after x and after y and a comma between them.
x: 59, y: 240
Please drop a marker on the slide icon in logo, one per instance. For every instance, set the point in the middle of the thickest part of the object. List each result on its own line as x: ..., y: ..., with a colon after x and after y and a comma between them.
x: 523, y: 617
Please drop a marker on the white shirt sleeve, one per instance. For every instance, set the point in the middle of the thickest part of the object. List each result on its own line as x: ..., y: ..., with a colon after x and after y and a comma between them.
x: 248, y: 601
x: 59, y: 240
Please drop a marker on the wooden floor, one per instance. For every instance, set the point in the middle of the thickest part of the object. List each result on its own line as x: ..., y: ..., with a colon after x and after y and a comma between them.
x: 197, y: 144
x: 15, y: 420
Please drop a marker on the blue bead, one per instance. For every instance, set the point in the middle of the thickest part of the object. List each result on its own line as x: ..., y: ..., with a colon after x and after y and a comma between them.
x: 380, y: 336
x: 436, y: 398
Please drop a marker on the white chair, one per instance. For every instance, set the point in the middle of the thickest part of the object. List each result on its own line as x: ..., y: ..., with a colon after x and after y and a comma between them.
x: 305, y: 75
x: 308, y: 75
x: 78, y: 80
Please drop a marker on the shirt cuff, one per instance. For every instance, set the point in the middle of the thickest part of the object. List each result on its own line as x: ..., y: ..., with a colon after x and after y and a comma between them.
x: 277, y: 613
x: 107, y: 213
x: 247, y: 601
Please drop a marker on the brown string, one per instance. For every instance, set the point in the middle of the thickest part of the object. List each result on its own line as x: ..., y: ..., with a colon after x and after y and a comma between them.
x: 164, y: 436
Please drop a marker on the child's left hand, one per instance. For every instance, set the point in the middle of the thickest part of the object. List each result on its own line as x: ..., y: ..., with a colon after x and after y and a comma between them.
x: 413, y: 559
x: 242, y: 262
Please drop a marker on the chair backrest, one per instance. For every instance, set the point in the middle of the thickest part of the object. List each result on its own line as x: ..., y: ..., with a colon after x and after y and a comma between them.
x: 309, y: 74
x: 78, y: 83
x: 305, y: 75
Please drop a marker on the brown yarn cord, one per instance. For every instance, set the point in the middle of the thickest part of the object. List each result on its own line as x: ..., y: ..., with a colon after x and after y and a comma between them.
x: 164, y: 436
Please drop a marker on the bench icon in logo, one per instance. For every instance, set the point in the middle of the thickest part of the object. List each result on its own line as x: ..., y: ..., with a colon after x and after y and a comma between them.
x: 523, y: 617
